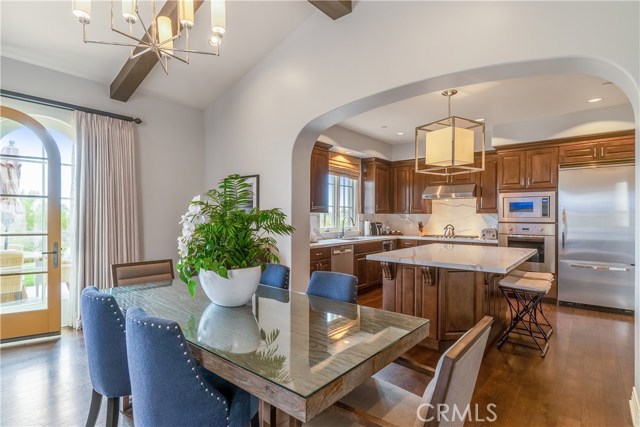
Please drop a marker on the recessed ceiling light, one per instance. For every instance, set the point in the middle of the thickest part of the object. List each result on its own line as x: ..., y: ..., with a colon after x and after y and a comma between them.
x: 383, y: 126
x: 479, y: 120
x: 399, y: 133
x: 594, y: 100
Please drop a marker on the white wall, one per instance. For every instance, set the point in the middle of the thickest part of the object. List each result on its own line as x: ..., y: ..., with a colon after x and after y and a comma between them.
x: 170, y: 146
x: 327, y: 71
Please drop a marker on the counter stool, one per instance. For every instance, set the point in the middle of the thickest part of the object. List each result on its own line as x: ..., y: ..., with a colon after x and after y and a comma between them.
x: 527, y: 317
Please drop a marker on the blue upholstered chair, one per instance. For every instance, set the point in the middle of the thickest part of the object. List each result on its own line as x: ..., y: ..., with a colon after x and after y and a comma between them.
x: 104, y: 336
x: 337, y: 286
x: 276, y: 275
x: 169, y: 388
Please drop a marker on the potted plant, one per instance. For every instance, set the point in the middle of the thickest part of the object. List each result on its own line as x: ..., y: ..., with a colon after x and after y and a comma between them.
x: 226, y: 242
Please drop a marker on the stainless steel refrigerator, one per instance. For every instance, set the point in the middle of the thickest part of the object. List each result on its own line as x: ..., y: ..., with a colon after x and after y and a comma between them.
x: 596, y: 221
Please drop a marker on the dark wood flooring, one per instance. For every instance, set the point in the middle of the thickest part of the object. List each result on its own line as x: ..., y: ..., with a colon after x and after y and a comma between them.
x: 585, y: 379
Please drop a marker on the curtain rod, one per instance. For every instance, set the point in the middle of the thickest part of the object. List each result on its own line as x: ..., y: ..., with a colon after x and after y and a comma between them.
x: 64, y: 105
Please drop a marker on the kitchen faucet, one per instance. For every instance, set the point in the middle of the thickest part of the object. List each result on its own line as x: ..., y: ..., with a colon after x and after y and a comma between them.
x: 341, y: 235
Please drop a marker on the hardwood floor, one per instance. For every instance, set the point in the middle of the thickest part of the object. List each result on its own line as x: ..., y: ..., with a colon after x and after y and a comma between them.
x: 585, y: 379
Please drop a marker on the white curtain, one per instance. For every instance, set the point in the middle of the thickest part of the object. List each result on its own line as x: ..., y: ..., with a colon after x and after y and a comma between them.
x: 106, y: 208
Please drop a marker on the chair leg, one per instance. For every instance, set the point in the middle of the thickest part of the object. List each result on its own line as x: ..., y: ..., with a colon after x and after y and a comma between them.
x: 113, y: 405
x: 94, y: 409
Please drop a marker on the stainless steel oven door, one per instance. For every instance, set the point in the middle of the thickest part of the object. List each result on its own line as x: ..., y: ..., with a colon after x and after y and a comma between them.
x: 543, y: 260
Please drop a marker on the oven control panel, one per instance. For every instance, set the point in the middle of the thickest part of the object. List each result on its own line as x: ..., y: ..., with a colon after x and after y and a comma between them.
x: 536, y: 229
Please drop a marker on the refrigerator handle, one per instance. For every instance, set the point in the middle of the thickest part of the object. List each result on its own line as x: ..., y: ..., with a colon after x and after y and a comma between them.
x: 564, y: 226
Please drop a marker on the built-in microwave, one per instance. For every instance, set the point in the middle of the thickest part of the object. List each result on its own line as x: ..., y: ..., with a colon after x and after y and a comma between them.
x: 539, y: 206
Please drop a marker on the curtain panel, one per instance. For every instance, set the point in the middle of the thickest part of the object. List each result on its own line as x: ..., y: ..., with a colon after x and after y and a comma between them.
x: 106, y: 208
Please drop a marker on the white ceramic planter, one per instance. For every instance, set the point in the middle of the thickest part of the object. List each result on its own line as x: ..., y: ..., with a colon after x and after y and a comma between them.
x: 235, y: 291
x: 231, y: 329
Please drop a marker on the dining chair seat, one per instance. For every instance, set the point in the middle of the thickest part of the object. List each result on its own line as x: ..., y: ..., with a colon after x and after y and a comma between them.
x: 333, y: 285
x: 378, y: 402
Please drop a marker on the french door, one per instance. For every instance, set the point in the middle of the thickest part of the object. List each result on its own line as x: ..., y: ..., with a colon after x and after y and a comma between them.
x: 30, y: 262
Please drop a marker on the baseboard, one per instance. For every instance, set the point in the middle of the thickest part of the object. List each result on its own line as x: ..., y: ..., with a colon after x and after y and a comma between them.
x: 634, y: 404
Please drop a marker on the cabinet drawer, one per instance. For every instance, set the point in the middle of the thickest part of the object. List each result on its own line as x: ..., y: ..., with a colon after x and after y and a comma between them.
x: 617, y: 150
x: 407, y: 243
x: 320, y: 253
x: 579, y: 153
x: 366, y: 248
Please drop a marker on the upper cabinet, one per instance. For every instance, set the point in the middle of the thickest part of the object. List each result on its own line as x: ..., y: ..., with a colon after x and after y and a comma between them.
x: 407, y: 187
x: 487, y: 185
x: 528, y: 169
x: 320, y: 178
x: 376, y: 186
x: 463, y: 178
x: 606, y: 150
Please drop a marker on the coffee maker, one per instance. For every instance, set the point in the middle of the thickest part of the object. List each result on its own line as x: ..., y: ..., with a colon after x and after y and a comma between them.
x: 376, y: 228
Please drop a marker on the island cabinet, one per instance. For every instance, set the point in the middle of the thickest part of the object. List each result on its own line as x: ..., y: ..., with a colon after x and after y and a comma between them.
x: 376, y: 186
x: 368, y: 272
x: 528, y: 169
x: 407, y: 187
x: 320, y: 259
x: 319, y: 167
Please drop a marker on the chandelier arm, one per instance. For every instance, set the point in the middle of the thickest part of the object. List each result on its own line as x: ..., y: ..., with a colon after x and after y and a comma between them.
x: 113, y: 43
x: 142, y: 52
x: 168, y: 53
x: 161, y: 45
x: 139, y: 40
x: 164, y: 66
x: 146, y: 30
x: 192, y: 51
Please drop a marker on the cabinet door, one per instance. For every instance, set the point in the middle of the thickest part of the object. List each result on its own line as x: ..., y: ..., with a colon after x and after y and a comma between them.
x: 401, y: 179
x: 374, y: 273
x: 382, y: 189
x: 407, y: 243
x: 542, y: 168
x: 360, y: 270
x: 464, y: 178
x: 319, y: 180
x: 437, y: 180
x: 487, y: 185
x: 324, y: 265
x: 617, y: 150
x: 459, y: 302
x: 578, y: 153
x: 511, y: 171
x: 313, y: 267
x: 418, y: 183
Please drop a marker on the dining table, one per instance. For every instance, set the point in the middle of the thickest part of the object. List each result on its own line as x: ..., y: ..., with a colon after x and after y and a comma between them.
x: 295, y: 352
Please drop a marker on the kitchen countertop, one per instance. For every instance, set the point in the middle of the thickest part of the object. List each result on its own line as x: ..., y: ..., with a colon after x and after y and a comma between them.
x: 364, y: 239
x: 486, y: 259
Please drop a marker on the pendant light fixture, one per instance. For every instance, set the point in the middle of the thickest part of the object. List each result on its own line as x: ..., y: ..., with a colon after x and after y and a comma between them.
x: 159, y: 37
x: 446, y: 147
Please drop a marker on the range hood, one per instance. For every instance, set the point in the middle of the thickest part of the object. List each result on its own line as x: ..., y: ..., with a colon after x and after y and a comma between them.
x: 459, y: 191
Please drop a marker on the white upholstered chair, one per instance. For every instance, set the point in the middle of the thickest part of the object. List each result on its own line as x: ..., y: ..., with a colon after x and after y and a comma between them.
x: 377, y: 402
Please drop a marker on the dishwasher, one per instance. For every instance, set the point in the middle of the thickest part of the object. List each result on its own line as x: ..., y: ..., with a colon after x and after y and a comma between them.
x: 342, y: 259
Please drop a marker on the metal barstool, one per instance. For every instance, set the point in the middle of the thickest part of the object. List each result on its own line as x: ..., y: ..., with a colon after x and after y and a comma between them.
x: 527, y: 316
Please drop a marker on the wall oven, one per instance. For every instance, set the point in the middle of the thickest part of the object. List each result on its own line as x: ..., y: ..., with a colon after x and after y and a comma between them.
x: 539, y: 206
x: 541, y: 237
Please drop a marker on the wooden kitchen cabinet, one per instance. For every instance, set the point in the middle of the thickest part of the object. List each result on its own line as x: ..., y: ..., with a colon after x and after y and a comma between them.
x: 320, y: 259
x: 487, y: 185
x: 376, y: 185
x: 460, y: 302
x: 369, y: 273
x: 407, y: 188
x: 319, y: 168
x: 528, y: 169
x: 406, y: 243
x: 607, y: 150
x: 464, y: 178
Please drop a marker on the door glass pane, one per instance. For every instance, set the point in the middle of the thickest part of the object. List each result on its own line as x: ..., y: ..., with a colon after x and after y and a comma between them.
x: 23, y: 205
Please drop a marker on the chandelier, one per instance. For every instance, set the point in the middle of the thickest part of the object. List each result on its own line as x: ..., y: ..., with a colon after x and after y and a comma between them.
x: 163, y: 31
x: 446, y: 147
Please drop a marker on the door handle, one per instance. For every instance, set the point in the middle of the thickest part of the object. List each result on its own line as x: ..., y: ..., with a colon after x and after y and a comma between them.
x: 599, y: 267
x: 594, y: 153
x: 601, y: 152
x: 54, y: 252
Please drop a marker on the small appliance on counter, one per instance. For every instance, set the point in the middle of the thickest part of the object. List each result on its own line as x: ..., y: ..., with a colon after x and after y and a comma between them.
x: 489, y: 234
x: 376, y: 229
x: 367, y: 228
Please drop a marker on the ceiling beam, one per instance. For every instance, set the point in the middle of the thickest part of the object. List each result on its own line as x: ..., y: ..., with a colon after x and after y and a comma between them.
x: 135, y: 70
x: 334, y: 9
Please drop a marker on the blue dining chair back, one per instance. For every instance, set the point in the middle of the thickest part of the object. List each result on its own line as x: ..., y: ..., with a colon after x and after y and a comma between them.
x: 169, y: 388
x: 275, y: 275
x: 105, y: 340
x: 336, y: 286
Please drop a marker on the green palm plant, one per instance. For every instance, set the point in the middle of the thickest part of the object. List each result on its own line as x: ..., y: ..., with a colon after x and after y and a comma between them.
x: 221, y: 232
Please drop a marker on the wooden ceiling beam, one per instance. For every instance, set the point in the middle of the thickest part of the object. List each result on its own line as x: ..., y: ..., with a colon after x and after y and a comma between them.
x: 135, y: 70
x: 334, y: 9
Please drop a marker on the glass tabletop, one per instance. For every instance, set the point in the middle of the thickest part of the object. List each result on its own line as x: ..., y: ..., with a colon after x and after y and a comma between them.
x: 298, y: 341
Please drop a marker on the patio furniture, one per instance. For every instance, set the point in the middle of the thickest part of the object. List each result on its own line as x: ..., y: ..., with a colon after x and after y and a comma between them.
x: 11, y: 288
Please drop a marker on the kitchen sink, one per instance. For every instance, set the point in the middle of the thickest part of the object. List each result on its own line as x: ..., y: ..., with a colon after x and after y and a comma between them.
x: 359, y: 237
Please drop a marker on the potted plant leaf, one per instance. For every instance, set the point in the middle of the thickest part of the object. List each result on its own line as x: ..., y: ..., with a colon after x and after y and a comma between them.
x: 226, y: 243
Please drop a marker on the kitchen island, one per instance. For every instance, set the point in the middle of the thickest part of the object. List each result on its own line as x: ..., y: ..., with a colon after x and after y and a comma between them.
x: 452, y: 285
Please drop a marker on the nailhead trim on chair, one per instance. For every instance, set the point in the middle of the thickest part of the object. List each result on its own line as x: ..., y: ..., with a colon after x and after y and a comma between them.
x: 111, y: 302
x: 193, y: 366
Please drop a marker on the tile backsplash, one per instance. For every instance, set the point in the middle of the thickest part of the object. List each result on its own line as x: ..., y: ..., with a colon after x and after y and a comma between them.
x: 460, y: 213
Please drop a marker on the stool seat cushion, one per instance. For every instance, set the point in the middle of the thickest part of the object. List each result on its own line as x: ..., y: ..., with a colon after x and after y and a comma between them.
x: 530, y: 285
x: 532, y: 275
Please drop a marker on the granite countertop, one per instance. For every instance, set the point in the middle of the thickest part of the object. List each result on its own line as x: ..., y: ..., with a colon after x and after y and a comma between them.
x: 486, y: 259
x: 364, y: 239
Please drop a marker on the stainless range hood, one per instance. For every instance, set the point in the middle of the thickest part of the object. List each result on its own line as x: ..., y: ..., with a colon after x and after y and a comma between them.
x: 459, y: 191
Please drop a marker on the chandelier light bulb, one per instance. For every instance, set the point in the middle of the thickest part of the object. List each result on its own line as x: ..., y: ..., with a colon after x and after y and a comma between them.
x: 186, y: 13
x: 129, y: 11
x: 165, y: 32
x: 215, y: 40
x: 82, y: 10
x: 218, y: 17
